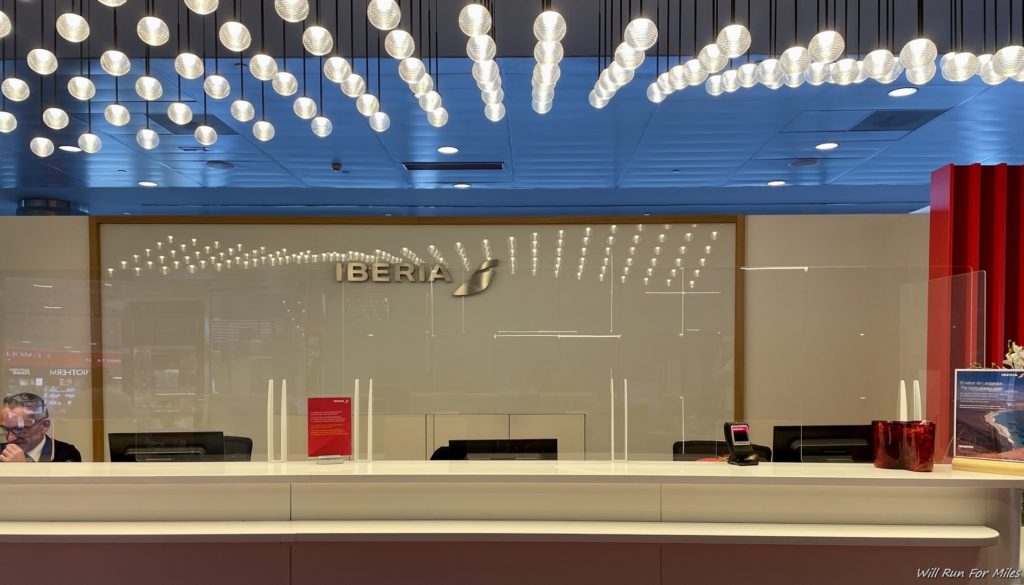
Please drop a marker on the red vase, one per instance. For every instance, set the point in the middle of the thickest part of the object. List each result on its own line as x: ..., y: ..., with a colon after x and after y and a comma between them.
x: 918, y: 450
x: 888, y: 443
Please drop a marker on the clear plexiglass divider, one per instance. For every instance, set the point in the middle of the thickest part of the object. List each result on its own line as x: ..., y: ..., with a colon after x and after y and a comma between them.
x: 598, y: 360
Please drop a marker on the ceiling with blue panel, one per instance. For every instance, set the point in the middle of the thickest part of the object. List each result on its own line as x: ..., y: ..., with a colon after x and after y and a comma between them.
x: 693, y: 153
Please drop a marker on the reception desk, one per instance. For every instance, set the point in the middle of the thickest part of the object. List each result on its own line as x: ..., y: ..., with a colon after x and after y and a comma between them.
x: 507, y: 522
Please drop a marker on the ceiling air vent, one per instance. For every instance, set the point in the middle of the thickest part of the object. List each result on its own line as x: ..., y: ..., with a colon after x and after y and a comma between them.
x: 454, y: 166
x: 896, y: 120
x: 803, y: 163
x: 190, y: 128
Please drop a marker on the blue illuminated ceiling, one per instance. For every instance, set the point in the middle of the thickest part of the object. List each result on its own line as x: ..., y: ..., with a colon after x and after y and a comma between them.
x: 692, y: 153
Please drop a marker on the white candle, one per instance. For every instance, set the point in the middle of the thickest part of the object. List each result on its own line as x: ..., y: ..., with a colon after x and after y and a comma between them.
x: 284, y: 420
x: 903, y: 400
x: 369, y: 422
x: 918, y: 407
x: 612, y: 425
x: 355, y: 423
x: 270, y: 421
x: 625, y: 419
x: 682, y: 421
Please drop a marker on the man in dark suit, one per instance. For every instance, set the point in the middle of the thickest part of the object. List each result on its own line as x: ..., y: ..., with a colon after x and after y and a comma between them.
x: 24, y: 422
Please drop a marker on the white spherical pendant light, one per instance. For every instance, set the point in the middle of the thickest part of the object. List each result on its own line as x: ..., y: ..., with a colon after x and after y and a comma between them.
x: 923, y: 74
x: 712, y: 59
x: 336, y: 69
x: 430, y: 101
x: 263, y: 131
x: 731, y: 80
x: 147, y: 138
x: 5, y: 25
x: 485, y: 71
x: 620, y: 76
x: 179, y: 113
x: 117, y: 115
x: 548, y: 52
x: 72, y: 27
x: 304, y: 108
x: 795, y: 60
x: 986, y: 71
x: 844, y: 71
x: 437, y: 117
x: 411, y: 70
x: 380, y: 122
x: 826, y: 46
x: 547, y: 74
x: 422, y: 87
x: 494, y: 97
x: 367, y: 104
x: 115, y: 63
x: 15, y: 89
x: 695, y: 73
x: 641, y: 34
x: 55, y: 118
x: 791, y: 81
x: 205, y: 135
x: 189, y: 66
x: 292, y: 10
x: 353, y: 86
x: 959, y: 66
x: 596, y: 101
x: 317, y: 40
x: 90, y: 143
x: 399, y: 44
x: 481, y: 48
x: 153, y: 31
x: 918, y: 53
x: 81, y: 88
x: 894, y: 74
x: 878, y: 63
x: 149, y: 88
x: 541, y: 107
x: 321, y: 126
x: 263, y: 67
x: 8, y: 123
x: 41, y: 146
x: 384, y: 14
x: 654, y: 94
x: 494, y: 112
x: 628, y: 57
x: 734, y: 40
x: 284, y: 83
x: 202, y: 7
x: 217, y: 87
x: 549, y: 26
x: 42, y: 61
x: 665, y: 84
x: 769, y: 72
x: 747, y: 75
x: 243, y: 110
x: 1009, y: 61
x: 235, y: 36
x: 474, y: 19
x: 817, y: 73
x: 714, y: 85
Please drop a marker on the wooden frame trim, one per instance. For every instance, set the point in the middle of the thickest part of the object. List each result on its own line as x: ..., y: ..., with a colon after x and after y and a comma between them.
x: 96, y: 292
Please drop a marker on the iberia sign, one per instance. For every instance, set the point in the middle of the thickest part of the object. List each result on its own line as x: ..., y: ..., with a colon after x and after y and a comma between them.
x: 477, y: 283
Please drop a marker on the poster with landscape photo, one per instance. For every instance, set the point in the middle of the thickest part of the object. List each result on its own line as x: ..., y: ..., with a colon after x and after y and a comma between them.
x: 989, y: 414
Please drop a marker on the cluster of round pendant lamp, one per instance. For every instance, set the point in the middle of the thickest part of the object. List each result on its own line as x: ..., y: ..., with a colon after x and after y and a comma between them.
x: 824, y: 60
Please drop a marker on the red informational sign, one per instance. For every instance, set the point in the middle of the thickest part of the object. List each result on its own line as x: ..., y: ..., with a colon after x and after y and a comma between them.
x: 329, y: 427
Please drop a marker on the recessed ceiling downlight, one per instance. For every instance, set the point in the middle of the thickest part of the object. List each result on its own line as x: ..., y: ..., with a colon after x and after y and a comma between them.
x: 827, y: 146
x: 148, y: 184
x: 447, y: 150
x: 902, y: 92
x: 461, y: 186
x: 776, y: 183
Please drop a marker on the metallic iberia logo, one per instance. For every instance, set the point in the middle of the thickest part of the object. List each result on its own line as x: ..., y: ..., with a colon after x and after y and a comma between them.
x: 381, y: 272
x: 479, y: 281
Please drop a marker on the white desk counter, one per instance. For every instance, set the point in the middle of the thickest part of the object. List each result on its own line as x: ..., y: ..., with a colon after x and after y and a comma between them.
x: 805, y: 519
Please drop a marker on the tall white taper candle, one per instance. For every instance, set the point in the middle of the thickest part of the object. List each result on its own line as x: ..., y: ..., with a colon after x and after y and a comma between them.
x: 270, y: 421
x: 682, y: 421
x: 284, y: 421
x: 903, y: 400
x: 369, y: 422
x: 918, y: 407
x: 355, y: 423
x: 625, y: 419
x: 611, y: 426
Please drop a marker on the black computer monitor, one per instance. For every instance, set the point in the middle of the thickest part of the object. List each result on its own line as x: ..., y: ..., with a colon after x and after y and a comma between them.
x: 500, y: 449
x: 823, y: 444
x: 164, y: 447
